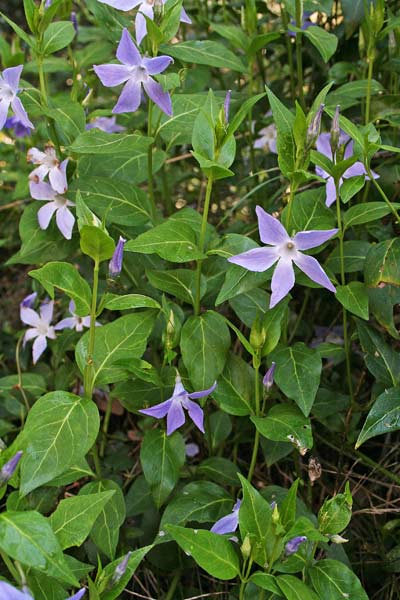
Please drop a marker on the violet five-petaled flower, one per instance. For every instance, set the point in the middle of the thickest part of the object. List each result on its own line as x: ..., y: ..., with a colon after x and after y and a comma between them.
x: 40, y: 327
x: 293, y: 545
x: 324, y: 147
x: 135, y: 71
x: 285, y: 251
x: 229, y: 523
x: 74, y: 322
x: 145, y: 9
x: 9, y: 88
x: 173, y: 407
x: 55, y: 203
x: 106, y: 124
x: 48, y: 165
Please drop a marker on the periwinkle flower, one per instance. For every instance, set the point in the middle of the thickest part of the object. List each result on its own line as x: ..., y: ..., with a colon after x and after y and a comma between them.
x: 29, y: 301
x: 19, y: 127
x: 267, y: 139
x: 191, y: 449
x: 268, y: 379
x: 145, y: 7
x: 294, y: 544
x: 9, y: 82
x: 115, y: 264
x: 173, y: 407
x: 285, y: 251
x: 120, y: 569
x: 106, y: 124
x: 48, y: 165
x: 229, y: 523
x: 324, y: 147
x: 73, y: 322
x: 9, y: 592
x: 8, y: 470
x: 55, y: 203
x: 40, y: 327
x: 135, y: 71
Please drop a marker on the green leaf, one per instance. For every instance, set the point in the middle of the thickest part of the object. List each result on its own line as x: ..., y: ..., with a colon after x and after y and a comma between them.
x: 174, y: 241
x: 234, y: 392
x: 105, y: 530
x: 381, y: 358
x: 354, y: 297
x: 298, y: 373
x: 125, y: 166
x: 383, y: 417
x: 210, y: 53
x: 69, y: 119
x: 365, y: 213
x: 285, y: 423
x: 255, y: 517
x: 382, y: 301
x: 126, y: 336
x: 180, y: 283
x: 31, y: 14
x: 203, y: 135
x: 57, y: 36
x: 326, y: 43
x: 98, y: 142
x: 241, y: 114
x: 382, y: 263
x: 309, y: 211
x: 162, y: 459
x: 60, y: 429
x: 96, y: 243
x: 20, y: 32
x: 205, y: 342
x: 233, y: 33
x: 332, y: 579
x: 272, y: 325
x: 127, y: 302
x: 288, y: 506
x: 294, y: 589
x: 218, y: 469
x: 350, y: 187
x: 212, y: 552
x: 335, y: 514
x: 27, y: 537
x: 354, y: 253
x: 106, y: 575
x: 66, y: 278
x: 250, y: 304
x: 265, y: 582
x: 284, y: 120
x: 74, y: 517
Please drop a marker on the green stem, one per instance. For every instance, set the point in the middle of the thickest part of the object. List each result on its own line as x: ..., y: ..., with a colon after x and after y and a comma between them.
x: 19, y: 371
x: 299, y: 57
x: 42, y: 80
x: 8, y: 562
x: 382, y: 193
x: 369, y: 86
x: 250, y: 118
x: 150, y: 162
x: 285, y: 22
x: 202, y: 239
x: 88, y: 374
x: 242, y: 590
x: 106, y: 424
x: 171, y: 591
x: 289, y: 206
x: 257, y: 414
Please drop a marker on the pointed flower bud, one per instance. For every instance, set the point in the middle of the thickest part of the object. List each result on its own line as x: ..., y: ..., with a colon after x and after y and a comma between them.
x: 115, y: 264
x: 74, y: 21
x: 121, y: 568
x: 8, y: 470
x: 315, y: 126
x: 227, y: 105
x: 246, y: 547
x: 293, y: 545
x: 338, y: 539
x: 268, y: 380
x: 335, y: 132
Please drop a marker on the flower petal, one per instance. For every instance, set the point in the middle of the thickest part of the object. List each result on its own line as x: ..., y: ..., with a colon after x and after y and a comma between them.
x: 35, y: 156
x: 45, y: 213
x: 12, y: 76
x: 112, y: 75
x: 122, y: 4
x: 58, y: 180
x: 68, y: 323
x: 29, y: 316
x: 175, y: 417
x: 195, y: 413
x: 324, y: 145
x: 282, y: 281
x: 39, y: 346
x: 158, y: 64
x: 271, y: 230
x: 159, y: 97
x: 202, y: 393
x: 256, y: 259
x: 127, y: 53
x: 227, y: 524
x: 30, y: 334
x: 185, y: 17
x: 21, y: 113
x: 311, y: 267
x: 311, y: 239
x: 330, y: 192
x: 41, y: 191
x: 129, y: 99
x: 3, y: 112
x: 46, y: 311
x: 9, y: 592
x: 38, y: 174
x: 140, y: 27
x: 159, y: 410
x: 65, y: 221
x: 355, y: 170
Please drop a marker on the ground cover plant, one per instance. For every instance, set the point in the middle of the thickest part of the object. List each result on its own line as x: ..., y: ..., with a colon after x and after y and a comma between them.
x: 199, y: 386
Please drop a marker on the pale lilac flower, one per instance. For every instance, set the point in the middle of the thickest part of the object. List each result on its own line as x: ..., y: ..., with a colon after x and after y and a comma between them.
x: 48, y: 165
x: 9, y: 592
x: 268, y: 379
x: 8, y: 470
x: 324, y: 147
x: 106, y: 124
x: 55, y: 203
x: 115, y: 264
x: 9, y: 82
x: 135, y: 71
x: 29, y: 301
x: 267, y: 139
x: 74, y: 322
x: 20, y: 129
x: 120, y: 569
x: 191, y: 449
x: 173, y: 407
x: 145, y: 7
x: 293, y: 545
x: 78, y: 595
x: 286, y: 251
x: 47, y: 4
x: 229, y: 523
x: 40, y: 328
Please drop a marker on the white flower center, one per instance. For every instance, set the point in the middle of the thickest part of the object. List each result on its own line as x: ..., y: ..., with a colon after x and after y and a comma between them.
x: 6, y: 92
x: 42, y: 328
x: 288, y: 250
x: 139, y: 74
x: 60, y: 201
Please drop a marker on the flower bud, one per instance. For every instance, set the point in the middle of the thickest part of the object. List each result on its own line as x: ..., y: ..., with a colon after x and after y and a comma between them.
x: 335, y: 131
x: 315, y: 126
x: 115, y: 264
x: 158, y: 10
x: 8, y: 470
x: 293, y: 545
x: 226, y: 106
x: 268, y: 380
x: 74, y: 21
x: 246, y: 547
x: 338, y: 539
x: 121, y: 568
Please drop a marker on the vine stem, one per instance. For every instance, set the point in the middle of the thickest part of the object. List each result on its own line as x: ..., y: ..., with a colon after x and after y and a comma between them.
x: 19, y: 371
x: 106, y: 424
x: 7, y: 561
x: 171, y: 591
x: 202, y: 240
x: 285, y: 21
x: 257, y: 414
x: 369, y: 86
x: 299, y: 57
x: 150, y: 161
x: 382, y: 193
x: 88, y: 374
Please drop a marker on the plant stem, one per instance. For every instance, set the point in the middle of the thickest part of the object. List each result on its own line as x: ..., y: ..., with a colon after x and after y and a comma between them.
x: 299, y: 57
x: 19, y: 371
x: 202, y: 239
x: 242, y: 590
x: 257, y: 414
x: 285, y: 22
x: 369, y: 85
x: 382, y: 193
x: 171, y: 591
x: 150, y: 162
x: 88, y: 374
x: 289, y: 206
x: 106, y: 423
x: 8, y: 562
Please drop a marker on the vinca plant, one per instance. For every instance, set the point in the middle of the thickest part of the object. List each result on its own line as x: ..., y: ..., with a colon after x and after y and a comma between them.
x: 200, y: 358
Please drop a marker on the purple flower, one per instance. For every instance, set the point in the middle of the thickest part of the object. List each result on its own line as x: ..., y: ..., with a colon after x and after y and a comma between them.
x: 48, y: 165
x: 115, y: 264
x: 135, y: 71
x: 306, y: 23
x: 293, y: 545
x: 9, y: 592
x: 40, y: 328
x: 74, y: 21
x: 120, y: 569
x: 54, y: 204
x: 324, y: 147
x: 106, y: 124
x: 29, y: 301
x: 267, y: 139
x: 20, y: 129
x: 144, y: 8
x: 74, y: 322
x: 268, y: 380
x: 9, y: 82
x: 78, y: 595
x: 229, y: 523
x: 286, y: 251
x: 173, y: 407
x: 8, y: 470
x: 191, y: 449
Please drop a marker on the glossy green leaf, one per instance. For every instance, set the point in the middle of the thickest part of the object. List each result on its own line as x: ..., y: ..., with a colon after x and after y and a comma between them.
x: 210, y: 53
x: 382, y: 263
x: 118, y: 588
x: 383, y: 417
x: 380, y: 357
x: 365, y: 213
x: 325, y: 42
x: 285, y: 423
x: 334, y: 580
x: 354, y: 297
x: 180, y: 283
x: 96, y: 243
x: 295, y: 589
x: 57, y: 36
x: 309, y: 211
x: 99, y: 142
x: 255, y: 517
x: 128, y: 301
x: 218, y: 469
x: 128, y: 166
x: 354, y: 253
x: 335, y: 513
x: 284, y: 120
x: 69, y: 119
x: 350, y: 187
